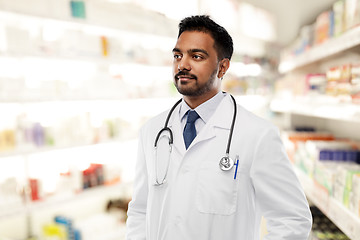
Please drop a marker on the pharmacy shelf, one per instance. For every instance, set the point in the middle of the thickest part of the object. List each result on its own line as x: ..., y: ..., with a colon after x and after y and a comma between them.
x: 159, y: 101
x: 322, y: 107
x: 94, y: 58
x: 68, y: 56
x: 347, y: 40
x: 147, y: 107
x: 58, y: 200
x: 347, y: 221
x: 84, y: 194
x: 34, y: 150
x: 98, y: 26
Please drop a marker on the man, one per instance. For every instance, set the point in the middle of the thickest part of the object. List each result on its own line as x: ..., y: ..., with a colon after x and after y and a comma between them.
x: 182, y: 194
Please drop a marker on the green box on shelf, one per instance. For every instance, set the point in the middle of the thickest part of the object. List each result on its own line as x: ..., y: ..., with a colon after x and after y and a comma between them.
x: 325, y: 177
x: 346, y: 198
x: 78, y: 9
x: 349, y: 178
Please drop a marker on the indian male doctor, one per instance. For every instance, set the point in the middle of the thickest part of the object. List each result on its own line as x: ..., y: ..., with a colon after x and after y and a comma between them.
x: 190, y: 183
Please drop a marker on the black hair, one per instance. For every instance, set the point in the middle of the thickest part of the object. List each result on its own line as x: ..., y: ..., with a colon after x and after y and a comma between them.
x: 203, y: 23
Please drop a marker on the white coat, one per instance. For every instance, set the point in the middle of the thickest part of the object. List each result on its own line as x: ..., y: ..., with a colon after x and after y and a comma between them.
x: 202, y: 202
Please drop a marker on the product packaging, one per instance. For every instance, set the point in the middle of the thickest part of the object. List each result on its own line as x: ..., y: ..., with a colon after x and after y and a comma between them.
x: 339, y: 17
x: 355, y: 202
x: 339, y: 81
x: 54, y: 231
x: 355, y: 83
x: 68, y: 226
x: 93, y: 176
x: 352, y: 13
x: 322, y: 27
x: 78, y: 9
x: 34, y: 189
x: 333, y: 77
x: 316, y: 83
x: 7, y: 140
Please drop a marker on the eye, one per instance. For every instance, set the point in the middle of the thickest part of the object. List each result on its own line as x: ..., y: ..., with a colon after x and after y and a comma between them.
x: 177, y: 56
x: 198, y: 57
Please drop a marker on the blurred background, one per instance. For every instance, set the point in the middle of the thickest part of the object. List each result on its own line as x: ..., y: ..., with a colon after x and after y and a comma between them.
x: 78, y: 78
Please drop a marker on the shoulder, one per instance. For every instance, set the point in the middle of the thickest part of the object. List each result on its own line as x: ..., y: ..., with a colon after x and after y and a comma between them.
x: 155, y: 122
x: 154, y: 125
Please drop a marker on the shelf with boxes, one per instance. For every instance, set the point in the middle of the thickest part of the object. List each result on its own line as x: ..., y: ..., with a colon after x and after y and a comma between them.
x: 69, y: 84
x: 29, y: 183
x: 49, y: 58
x: 347, y: 221
x: 65, y: 198
x: 49, y: 149
x: 332, y: 85
x: 28, y: 127
x: 333, y: 46
x: 329, y: 171
x: 76, y: 182
x: 322, y: 67
x: 320, y: 106
x: 334, y: 31
x: 320, y: 90
x: 84, y: 39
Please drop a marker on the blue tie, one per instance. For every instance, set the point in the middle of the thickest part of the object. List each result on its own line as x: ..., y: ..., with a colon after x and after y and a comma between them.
x: 189, y: 130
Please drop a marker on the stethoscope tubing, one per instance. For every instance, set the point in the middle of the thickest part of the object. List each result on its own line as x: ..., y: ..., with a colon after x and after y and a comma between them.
x: 232, y: 126
x: 171, y: 140
x: 166, y: 128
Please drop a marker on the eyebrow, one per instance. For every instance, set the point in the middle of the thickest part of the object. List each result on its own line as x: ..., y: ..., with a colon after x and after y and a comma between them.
x: 195, y: 50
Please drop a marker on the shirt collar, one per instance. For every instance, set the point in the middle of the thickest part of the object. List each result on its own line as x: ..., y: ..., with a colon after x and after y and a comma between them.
x: 205, y: 110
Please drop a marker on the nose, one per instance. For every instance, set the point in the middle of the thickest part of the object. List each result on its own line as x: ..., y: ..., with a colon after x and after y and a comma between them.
x: 183, y: 64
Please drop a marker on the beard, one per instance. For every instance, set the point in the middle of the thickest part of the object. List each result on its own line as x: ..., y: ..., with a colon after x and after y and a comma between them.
x: 194, y: 89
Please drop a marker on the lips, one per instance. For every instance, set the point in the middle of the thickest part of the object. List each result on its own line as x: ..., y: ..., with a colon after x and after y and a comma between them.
x: 184, y: 76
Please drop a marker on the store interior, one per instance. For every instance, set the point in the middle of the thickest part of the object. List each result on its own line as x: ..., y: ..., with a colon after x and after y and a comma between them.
x: 78, y: 79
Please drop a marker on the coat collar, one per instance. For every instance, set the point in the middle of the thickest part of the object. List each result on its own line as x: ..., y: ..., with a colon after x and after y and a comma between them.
x: 223, y: 115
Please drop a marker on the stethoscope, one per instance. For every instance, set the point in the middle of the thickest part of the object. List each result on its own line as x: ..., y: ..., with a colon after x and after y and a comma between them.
x: 225, y: 164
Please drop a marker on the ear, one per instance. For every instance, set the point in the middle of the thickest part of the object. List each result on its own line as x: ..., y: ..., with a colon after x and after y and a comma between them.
x: 223, y: 67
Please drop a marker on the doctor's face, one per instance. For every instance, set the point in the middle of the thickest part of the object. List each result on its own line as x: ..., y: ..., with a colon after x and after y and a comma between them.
x: 196, y: 65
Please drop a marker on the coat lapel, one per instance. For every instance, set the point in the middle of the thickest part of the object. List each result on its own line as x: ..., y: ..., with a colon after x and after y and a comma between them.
x: 175, y: 126
x: 221, y: 119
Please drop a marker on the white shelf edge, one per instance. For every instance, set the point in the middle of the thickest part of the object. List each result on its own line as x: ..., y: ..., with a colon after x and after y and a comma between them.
x: 86, y: 99
x: 347, y: 221
x: 317, y: 109
x: 58, y: 200
x: 34, y: 150
x: 98, y: 59
x: 78, y: 23
x: 347, y: 40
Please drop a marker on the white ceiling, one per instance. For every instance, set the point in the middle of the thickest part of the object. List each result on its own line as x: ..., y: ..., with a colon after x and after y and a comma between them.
x: 291, y: 15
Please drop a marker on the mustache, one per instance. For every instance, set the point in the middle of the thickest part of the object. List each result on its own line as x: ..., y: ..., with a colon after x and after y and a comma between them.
x: 185, y: 74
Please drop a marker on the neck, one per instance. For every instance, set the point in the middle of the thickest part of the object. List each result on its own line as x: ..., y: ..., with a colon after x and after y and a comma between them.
x: 194, y: 101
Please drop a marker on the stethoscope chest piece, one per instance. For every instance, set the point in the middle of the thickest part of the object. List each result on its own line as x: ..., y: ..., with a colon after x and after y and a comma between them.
x: 226, y: 163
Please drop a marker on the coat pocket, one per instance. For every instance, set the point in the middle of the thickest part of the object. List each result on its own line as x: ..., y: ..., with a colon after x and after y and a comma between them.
x: 217, y: 190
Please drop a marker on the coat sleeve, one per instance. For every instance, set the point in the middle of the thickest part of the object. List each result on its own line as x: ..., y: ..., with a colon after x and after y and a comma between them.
x: 279, y: 195
x: 136, y: 221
